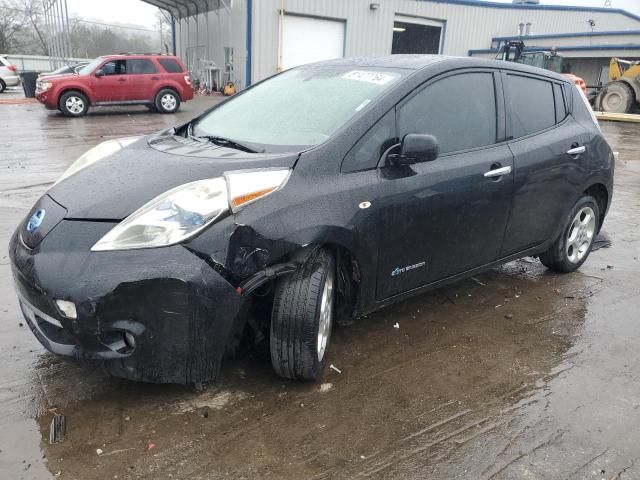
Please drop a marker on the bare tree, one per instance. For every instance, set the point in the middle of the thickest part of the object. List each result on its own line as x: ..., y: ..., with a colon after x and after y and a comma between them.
x: 34, y: 12
x: 11, y: 25
x: 21, y: 27
x: 164, y: 27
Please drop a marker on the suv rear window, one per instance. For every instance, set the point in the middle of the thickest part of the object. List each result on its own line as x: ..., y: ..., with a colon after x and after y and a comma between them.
x: 531, y: 105
x: 141, y: 66
x: 170, y: 65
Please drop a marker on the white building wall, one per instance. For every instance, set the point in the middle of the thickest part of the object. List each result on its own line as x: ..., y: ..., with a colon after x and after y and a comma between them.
x: 369, y: 32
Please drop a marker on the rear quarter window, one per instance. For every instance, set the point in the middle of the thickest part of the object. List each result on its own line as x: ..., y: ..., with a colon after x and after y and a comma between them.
x: 561, y: 106
x: 530, y: 104
x: 170, y: 65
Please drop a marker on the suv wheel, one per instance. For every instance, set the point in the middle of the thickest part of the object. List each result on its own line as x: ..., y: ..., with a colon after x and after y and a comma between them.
x: 167, y: 101
x: 302, y: 317
x: 3, y: 86
x: 573, y: 246
x: 73, y: 104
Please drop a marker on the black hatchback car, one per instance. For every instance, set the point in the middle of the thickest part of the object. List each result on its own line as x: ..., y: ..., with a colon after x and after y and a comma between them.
x: 325, y: 192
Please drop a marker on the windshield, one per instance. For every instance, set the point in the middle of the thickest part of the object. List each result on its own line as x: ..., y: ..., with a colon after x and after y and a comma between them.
x: 87, y: 69
x: 298, y: 108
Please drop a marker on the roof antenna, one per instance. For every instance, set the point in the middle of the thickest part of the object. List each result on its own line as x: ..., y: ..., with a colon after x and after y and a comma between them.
x: 607, y: 3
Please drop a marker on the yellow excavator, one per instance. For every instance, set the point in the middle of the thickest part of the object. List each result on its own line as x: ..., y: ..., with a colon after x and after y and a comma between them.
x: 621, y: 94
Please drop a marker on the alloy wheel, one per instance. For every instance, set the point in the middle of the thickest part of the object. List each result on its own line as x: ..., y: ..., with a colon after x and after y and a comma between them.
x: 326, y: 316
x: 580, y: 235
x: 168, y: 102
x: 74, y: 104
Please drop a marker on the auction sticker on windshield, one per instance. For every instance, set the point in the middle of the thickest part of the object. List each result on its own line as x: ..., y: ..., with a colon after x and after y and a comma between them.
x: 369, y: 77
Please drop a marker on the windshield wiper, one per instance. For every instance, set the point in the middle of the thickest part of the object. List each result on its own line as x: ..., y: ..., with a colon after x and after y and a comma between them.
x: 227, y: 142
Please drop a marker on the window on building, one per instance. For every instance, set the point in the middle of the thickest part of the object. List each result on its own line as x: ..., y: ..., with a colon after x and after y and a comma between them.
x: 460, y: 111
x: 530, y: 103
x: 415, y: 38
x: 141, y: 66
x: 366, y: 153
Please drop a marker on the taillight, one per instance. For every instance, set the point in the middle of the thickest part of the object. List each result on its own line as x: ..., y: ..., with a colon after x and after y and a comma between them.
x: 12, y: 68
x: 187, y: 79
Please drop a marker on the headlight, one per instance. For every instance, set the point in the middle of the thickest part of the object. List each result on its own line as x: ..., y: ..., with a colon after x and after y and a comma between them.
x: 43, y: 86
x: 98, y: 152
x: 184, y: 211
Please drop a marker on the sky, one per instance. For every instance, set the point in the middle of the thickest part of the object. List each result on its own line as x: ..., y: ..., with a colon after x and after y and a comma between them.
x: 132, y: 12
x: 140, y: 13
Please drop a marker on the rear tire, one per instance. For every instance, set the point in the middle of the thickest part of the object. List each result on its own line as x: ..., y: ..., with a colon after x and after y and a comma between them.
x: 617, y: 97
x: 302, y: 318
x: 73, y: 104
x: 3, y: 86
x: 573, y: 246
x: 167, y: 101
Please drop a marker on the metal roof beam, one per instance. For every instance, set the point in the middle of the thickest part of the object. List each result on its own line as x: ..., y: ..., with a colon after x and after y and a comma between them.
x: 185, y: 8
x: 167, y: 5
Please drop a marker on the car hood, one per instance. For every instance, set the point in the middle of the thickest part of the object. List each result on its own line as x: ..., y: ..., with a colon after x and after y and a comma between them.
x: 119, y: 184
x: 59, y: 76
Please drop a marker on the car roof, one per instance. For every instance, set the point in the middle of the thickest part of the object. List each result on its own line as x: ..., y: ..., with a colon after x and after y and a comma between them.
x: 138, y: 55
x: 419, y: 62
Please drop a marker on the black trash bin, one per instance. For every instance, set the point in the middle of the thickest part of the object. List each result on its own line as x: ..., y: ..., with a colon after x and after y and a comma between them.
x: 29, y: 78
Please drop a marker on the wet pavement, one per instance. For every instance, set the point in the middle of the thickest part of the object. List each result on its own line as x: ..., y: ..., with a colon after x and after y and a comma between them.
x: 516, y: 373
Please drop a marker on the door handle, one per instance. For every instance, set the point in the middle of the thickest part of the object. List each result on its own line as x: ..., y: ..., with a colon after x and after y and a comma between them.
x: 577, y: 150
x: 498, y: 172
x: 121, y: 80
x: 155, y: 78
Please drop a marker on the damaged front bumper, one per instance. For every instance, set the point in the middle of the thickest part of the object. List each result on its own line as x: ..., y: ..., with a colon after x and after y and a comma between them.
x: 180, y: 313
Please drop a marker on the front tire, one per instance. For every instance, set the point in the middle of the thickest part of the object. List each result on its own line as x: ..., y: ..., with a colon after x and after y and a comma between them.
x: 573, y: 246
x: 167, y: 101
x: 73, y: 104
x: 617, y: 97
x: 302, y: 318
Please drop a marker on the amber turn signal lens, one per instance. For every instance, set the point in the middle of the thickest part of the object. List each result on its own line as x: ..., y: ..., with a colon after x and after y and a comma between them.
x: 248, y: 197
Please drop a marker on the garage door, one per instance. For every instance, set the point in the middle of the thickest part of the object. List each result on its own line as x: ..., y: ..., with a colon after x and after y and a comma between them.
x: 307, y: 40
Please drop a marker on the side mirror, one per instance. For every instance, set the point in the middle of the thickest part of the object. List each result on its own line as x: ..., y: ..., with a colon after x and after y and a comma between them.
x: 416, y: 148
x: 99, y: 73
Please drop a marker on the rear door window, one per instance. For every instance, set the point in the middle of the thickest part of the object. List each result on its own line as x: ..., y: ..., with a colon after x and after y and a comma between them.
x: 140, y: 66
x: 170, y: 65
x: 459, y: 110
x: 530, y: 104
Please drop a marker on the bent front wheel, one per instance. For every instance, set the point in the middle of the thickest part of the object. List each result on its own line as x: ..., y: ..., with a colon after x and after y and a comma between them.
x: 302, y: 318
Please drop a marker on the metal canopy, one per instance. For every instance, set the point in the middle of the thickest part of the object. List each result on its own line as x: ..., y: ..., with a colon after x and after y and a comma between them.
x: 187, y: 8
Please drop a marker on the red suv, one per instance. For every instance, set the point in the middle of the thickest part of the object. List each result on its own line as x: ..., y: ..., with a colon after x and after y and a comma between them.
x: 160, y: 82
